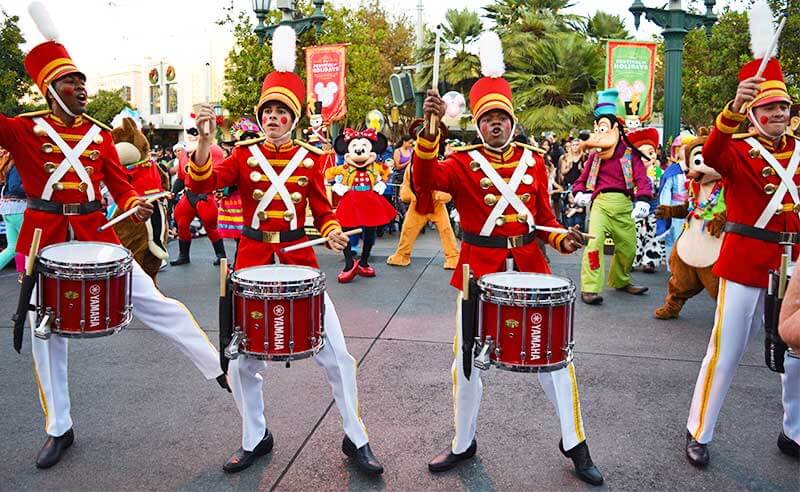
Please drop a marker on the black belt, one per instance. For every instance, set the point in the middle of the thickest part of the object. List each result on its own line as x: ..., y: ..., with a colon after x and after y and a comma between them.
x: 505, y: 242
x: 763, y: 234
x: 64, y: 208
x: 273, y: 237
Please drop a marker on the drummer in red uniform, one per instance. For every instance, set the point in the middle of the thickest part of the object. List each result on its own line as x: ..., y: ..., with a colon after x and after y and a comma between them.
x: 500, y: 191
x: 278, y: 178
x: 62, y: 155
x: 760, y: 169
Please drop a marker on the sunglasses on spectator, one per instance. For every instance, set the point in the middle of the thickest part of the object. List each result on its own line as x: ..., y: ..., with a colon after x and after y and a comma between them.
x: 193, y: 132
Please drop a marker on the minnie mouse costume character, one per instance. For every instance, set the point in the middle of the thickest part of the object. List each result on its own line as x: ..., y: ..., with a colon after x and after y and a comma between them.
x: 360, y: 185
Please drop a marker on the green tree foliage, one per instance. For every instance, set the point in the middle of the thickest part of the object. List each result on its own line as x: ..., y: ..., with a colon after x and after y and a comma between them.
x: 459, y: 68
x: 789, y: 53
x: 14, y: 81
x: 377, y: 43
x: 553, y: 67
x: 602, y: 26
x: 104, y: 105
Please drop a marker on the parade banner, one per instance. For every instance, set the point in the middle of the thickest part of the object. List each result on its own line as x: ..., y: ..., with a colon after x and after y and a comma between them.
x: 325, y: 75
x: 630, y: 68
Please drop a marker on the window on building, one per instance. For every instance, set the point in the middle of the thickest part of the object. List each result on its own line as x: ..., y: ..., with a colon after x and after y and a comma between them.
x: 155, y: 99
x: 126, y: 93
x: 172, y: 98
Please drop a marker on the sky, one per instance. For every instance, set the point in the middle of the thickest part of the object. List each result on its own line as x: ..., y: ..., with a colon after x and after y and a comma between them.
x: 104, y: 35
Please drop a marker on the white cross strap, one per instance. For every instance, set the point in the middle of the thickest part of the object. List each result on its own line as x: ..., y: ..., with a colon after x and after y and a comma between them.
x: 71, y: 159
x: 278, y: 183
x: 787, y: 181
x: 508, y: 191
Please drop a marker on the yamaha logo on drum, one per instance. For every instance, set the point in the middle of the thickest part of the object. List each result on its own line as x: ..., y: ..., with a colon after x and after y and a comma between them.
x: 94, y: 305
x: 279, y: 339
x: 536, y: 336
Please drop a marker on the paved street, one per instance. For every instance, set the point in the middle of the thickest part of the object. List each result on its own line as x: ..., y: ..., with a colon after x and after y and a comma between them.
x: 145, y: 419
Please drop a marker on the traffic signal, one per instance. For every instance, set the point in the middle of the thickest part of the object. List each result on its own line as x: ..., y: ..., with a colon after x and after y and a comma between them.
x: 402, y: 88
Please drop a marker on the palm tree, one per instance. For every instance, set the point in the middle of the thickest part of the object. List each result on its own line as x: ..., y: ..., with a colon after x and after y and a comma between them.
x: 459, y: 68
x: 554, y: 81
x: 507, y: 13
x: 602, y: 26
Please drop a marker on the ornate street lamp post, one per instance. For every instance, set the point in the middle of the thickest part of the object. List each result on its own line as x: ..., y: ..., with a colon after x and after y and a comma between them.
x: 287, y: 7
x: 676, y: 24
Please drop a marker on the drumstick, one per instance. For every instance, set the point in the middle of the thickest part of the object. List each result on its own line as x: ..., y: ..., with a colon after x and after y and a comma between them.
x: 223, y: 277
x: 33, y: 252
x: 119, y: 218
x: 314, y: 242
x: 559, y: 230
x: 465, y: 280
x: 435, y: 83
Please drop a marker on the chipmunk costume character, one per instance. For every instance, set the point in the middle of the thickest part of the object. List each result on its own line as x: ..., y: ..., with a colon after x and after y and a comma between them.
x: 692, y: 260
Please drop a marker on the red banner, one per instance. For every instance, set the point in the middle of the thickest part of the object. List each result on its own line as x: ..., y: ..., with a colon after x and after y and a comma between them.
x: 325, y: 76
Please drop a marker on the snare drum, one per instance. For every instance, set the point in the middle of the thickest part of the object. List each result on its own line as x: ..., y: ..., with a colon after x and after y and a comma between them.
x: 84, y: 289
x: 525, y: 322
x: 278, y: 312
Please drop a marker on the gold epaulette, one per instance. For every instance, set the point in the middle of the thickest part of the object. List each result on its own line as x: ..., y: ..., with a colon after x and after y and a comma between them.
x: 742, y: 136
x: 309, y: 147
x: 250, y: 141
x: 98, y: 123
x: 34, y: 114
x: 467, y: 148
x: 529, y: 147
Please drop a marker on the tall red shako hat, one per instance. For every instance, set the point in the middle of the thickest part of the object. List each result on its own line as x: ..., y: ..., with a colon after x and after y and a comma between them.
x: 644, y: 136
x: 48, y: 61
x: 283, y: 85
x: 773, y: 89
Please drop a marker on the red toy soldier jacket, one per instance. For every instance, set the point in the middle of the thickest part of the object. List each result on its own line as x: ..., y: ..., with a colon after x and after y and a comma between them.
x: 268, y: 217
x: 38, y: 158
x: 475, y: 195
x: 750, y: 184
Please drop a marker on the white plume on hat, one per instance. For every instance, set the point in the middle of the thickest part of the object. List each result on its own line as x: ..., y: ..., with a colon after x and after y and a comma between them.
x: 491, y: 55
x: 45, y: 24
x: 284, y: 40
x: 762, y: 29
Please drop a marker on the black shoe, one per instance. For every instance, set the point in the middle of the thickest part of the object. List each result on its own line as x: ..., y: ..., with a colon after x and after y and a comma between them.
x: 53, y: 449
x: 242, y: 459
x: 363, y: 457
x: 788, y: 446
x: 219, y: 251
x: 183, y: 256
x: 591, y: 298
x: 584, y: 466
x: 696, y: 453
x: 447, y: 459
x: 223, y: 382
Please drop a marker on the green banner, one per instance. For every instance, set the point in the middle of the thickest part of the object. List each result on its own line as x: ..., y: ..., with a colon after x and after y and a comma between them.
x: 630, y: 68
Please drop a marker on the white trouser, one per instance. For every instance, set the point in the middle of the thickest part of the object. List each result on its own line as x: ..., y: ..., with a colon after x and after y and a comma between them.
x: 340, y: 369
x: 165, y: 316
x: 739, y: 318
x: 560, y: 386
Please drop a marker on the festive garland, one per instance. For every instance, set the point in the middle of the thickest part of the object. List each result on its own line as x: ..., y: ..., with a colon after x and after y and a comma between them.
x: 697, y: 209
x: 170, y: 73
x: 153, y: 76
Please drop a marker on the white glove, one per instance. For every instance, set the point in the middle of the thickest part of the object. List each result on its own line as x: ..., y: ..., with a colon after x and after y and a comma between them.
x: 379, y: 187
x: 640, y: 210
x: 340, y: 189
x: 583, y: 199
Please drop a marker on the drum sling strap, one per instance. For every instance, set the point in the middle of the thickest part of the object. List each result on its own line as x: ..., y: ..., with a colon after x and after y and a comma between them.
x: 774, y: 346
x: 278, y: 183
x: 469, y: 325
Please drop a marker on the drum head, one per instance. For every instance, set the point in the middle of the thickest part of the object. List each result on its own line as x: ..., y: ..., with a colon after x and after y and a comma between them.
x: 84, y: 253
x: 277, y: 273
x: 525, y: 280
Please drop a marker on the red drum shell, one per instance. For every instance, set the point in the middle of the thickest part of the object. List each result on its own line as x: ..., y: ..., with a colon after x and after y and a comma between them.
x: 280, y: 309
x: 529, y: 318
x: 85, y: 287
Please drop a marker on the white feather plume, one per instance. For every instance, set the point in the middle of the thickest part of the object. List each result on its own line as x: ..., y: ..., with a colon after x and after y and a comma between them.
x: 762, y: 29
x: 284, y: 40
x: 41, y: 16
x: 491, y: 55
